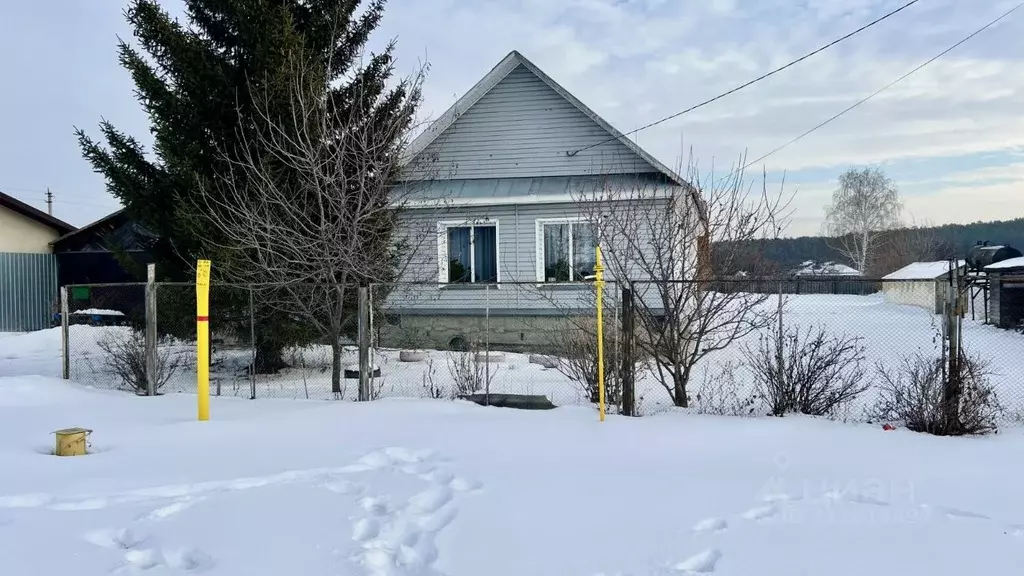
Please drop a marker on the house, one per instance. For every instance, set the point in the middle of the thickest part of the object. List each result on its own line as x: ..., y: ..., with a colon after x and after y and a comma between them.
x: 814, y: 269
x: 1006, y: 293
x: 28, y: 269
x: 922, y: 284
x: 27, y: 230
x: 507, y: 247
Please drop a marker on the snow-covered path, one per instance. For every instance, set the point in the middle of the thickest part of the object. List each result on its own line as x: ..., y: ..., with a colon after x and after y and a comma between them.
x: 424, y: 488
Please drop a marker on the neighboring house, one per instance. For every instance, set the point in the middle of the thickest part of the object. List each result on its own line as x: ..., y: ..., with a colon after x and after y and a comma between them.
x: 28, y: 270
x: 1006, y: 293
x: 27, y: 230
x: 814, y: 269
x: 922, y: 284
x: 501, y: 180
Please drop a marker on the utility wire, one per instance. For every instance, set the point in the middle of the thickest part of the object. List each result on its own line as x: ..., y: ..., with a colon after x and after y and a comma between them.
x: 890, y: 85
x: 755, y: 80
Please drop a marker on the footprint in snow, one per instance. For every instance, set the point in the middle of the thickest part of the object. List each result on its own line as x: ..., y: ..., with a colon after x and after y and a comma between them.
x: 760, y: 512
x: 700, y: 563
x: 344, y: 487
x: 375, y: 505
x: 365, y: 529
x: 711, y: 525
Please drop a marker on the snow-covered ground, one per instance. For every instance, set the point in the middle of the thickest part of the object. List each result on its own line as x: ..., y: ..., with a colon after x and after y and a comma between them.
x: 889, y: 333
x: 430, y: 488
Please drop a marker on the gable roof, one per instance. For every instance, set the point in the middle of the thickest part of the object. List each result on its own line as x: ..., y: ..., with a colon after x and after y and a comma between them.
x: 512, y: 61
x: 35, y: 214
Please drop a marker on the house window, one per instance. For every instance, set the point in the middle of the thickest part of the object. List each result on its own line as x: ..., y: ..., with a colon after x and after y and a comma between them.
x: 470, y: 253
x: 568, y: 251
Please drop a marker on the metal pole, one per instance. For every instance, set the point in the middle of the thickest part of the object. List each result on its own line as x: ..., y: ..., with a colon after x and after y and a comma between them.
x: 628, y: 362
x: 599, y: 285
x: 951, y: 391
x: 152, y: 362
x: 364, y: 344
x: 487, y: 345
x: 65, y: 350
x: 252, y: 342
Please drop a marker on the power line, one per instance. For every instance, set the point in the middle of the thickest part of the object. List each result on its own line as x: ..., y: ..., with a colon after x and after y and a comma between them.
x: 889, y: 85
x: 755, y: 80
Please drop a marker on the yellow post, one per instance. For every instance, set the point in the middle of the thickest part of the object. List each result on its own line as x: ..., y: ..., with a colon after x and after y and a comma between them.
x: 599, y: 285
x: 203, y: 337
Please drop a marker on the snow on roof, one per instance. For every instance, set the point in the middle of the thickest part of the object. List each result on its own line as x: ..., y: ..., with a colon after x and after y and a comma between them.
x: 922, y: 270
x: 1017, y: 262
x: 811, y: 268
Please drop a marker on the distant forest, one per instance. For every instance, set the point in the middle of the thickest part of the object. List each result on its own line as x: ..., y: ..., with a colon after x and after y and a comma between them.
x: 900, y: 247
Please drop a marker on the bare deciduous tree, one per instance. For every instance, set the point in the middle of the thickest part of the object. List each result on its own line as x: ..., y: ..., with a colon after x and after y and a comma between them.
x: 866, y: 203
x: 658, y: 236
x: 898, y: 248
x: 307, y: 210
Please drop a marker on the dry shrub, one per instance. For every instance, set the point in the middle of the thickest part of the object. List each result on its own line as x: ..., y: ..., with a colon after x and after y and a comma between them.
x: 125, y: 355
x: 807, y: 372
x: 470, y: 373
x: 912, y: 395
x: 431, y: 388
x: 577, y: 361
x: 720, y: 393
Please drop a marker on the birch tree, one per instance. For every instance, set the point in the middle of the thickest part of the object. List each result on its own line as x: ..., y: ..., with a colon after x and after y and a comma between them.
x: 866, y: 204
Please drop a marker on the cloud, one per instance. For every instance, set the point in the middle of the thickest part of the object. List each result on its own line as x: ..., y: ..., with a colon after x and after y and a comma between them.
x: 632, y: 61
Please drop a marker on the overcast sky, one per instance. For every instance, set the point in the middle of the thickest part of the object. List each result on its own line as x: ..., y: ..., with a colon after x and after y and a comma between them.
x: 952, y: 135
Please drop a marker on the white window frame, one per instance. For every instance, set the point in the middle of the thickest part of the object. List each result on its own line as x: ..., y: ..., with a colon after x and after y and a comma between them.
x: 540, y: 223
x: 442, y: 248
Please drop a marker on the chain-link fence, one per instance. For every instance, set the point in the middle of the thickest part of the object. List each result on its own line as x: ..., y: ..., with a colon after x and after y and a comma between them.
x: 717, y: 345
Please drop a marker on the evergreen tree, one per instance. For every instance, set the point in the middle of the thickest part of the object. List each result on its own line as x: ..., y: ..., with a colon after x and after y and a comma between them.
x: 195, y: 79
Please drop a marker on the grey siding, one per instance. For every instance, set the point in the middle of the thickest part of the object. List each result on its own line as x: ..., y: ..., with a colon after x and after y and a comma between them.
x: 517, y: 266
x: 522, y: 127
x: 28, y: 291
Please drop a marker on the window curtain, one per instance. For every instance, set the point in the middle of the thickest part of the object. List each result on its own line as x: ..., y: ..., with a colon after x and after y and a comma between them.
x: 584, y: 251
x: 556, y: 252
x: 458, y: 255
x: 485, y: 250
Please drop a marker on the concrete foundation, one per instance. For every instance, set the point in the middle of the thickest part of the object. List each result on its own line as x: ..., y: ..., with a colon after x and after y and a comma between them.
x: 538, y: 334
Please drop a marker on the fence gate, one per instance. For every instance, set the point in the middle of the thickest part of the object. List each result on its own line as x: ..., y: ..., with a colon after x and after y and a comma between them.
x: 28, y: 291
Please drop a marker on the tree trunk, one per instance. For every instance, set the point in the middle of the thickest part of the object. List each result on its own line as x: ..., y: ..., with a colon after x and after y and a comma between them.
x: 336, y: 367
x: 268, y: 358
x: 679, y: 389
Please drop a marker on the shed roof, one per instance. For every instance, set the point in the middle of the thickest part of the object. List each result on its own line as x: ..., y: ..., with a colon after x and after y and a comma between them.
x: 923, y: 270
x: 1008, y: 264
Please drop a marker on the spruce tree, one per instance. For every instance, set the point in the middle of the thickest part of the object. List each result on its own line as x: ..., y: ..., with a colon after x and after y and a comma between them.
x: 195, y: 80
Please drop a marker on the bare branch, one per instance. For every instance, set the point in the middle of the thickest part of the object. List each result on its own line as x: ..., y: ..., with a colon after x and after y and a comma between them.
x: 658, y: 236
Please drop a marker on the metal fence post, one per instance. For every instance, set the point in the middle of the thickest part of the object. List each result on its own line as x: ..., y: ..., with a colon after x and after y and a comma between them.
x: 252, y: 343
x: 151, y: 333
x: 628, y: 354
x: 364, y: 344
x: 487, y: 345
x: 65, y: 350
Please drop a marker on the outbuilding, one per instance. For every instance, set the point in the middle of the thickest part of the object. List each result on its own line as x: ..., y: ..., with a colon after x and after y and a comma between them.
x: 1006, y: 292
x: 922, y: 284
